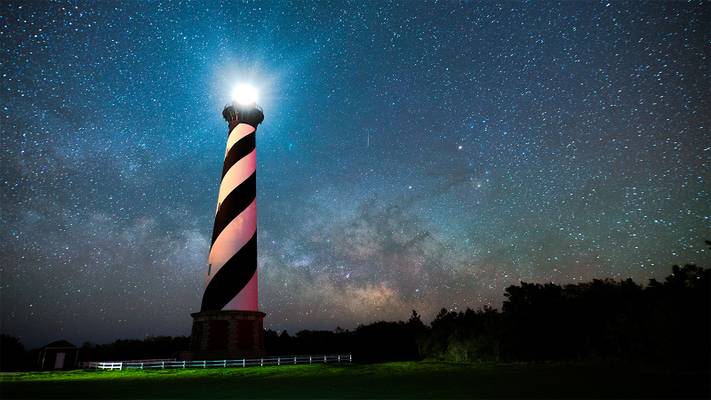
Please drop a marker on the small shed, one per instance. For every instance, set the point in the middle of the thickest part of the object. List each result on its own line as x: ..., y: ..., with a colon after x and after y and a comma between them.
x: 58, y: 355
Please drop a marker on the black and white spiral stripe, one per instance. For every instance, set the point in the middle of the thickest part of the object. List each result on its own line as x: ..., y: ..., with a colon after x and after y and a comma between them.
x: 232, y: 273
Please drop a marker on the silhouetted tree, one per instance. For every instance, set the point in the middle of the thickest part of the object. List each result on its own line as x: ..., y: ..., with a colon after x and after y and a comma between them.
x: 135, y: 349
x: 13, y: 356
x: 663, y: 323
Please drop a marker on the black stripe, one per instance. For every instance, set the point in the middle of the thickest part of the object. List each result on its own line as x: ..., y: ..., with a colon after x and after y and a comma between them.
x: 231, y: 278
x: 233, y: 205
x: 240, y: 149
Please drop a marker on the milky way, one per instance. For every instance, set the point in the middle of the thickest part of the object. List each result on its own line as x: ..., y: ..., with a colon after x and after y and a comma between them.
x: 413, y: 156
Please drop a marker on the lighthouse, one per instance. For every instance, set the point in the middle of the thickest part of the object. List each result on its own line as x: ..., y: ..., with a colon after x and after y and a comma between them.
x: 229, y: 324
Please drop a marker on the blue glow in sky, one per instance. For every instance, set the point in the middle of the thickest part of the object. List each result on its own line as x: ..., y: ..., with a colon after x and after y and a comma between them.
x: 413, y: 156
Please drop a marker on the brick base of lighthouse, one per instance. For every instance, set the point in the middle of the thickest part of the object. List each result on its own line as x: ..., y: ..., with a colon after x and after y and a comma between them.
x: 222, y: 335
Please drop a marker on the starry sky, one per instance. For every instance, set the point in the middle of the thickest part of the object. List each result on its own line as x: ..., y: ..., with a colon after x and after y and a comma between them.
x: 414, y: 155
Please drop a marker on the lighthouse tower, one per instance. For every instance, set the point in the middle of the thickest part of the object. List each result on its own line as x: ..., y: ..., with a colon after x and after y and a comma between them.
x: 229, y: 324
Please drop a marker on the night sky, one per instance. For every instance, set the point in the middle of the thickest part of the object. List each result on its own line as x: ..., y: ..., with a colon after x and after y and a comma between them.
x: 413, y: 156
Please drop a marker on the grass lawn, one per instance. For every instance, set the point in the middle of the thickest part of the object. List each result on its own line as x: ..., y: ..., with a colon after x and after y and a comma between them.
x: 389, y: 380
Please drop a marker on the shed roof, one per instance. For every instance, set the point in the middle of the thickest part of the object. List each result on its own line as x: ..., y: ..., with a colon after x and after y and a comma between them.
x: 60, y: 344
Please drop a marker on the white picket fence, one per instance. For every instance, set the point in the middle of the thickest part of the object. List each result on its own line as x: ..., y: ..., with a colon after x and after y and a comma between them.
x: 245, y: 362
x: 119, y: 364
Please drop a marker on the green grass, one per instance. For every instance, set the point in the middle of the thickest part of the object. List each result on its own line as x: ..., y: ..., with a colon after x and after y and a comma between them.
x: 389, y: 380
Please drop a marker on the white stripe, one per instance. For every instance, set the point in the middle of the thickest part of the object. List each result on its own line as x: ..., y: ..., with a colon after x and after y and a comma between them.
x: 240, y: 131
x: 235, y: 235
x: 240, y: 171
x: 248, y: 298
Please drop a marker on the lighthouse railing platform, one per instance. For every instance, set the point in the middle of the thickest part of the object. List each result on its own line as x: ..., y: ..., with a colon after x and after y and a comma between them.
x: 234, y: 363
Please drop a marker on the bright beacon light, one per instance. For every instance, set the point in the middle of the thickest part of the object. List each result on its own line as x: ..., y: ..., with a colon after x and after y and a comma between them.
x: 244, y: 94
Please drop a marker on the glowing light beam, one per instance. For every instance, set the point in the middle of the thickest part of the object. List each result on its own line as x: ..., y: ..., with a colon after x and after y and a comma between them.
x: 245, y: 94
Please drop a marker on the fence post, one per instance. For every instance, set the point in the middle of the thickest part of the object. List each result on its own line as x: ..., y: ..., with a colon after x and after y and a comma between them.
x: 294, y: 360
x: 244, y: 363
x: 141, y: 365
x: 350, y: 358
x: 120, y: 366
x: 204, y: 363
x: 224, y: 364
x: 339, y: 358
x: 278, y: 360
x: 261, y: 362
x: 324, y: 359
x: 309, y: 359
x: 183, y: 363
x: 162, y: 364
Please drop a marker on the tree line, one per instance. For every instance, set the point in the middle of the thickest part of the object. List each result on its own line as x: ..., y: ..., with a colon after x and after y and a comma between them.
x: 661, y: 323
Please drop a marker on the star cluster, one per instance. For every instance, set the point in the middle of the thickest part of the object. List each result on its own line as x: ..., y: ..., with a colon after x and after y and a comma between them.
x: 413, y: 156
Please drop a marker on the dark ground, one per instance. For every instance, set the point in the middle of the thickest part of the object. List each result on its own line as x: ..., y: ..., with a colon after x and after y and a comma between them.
x: 390, y: 380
